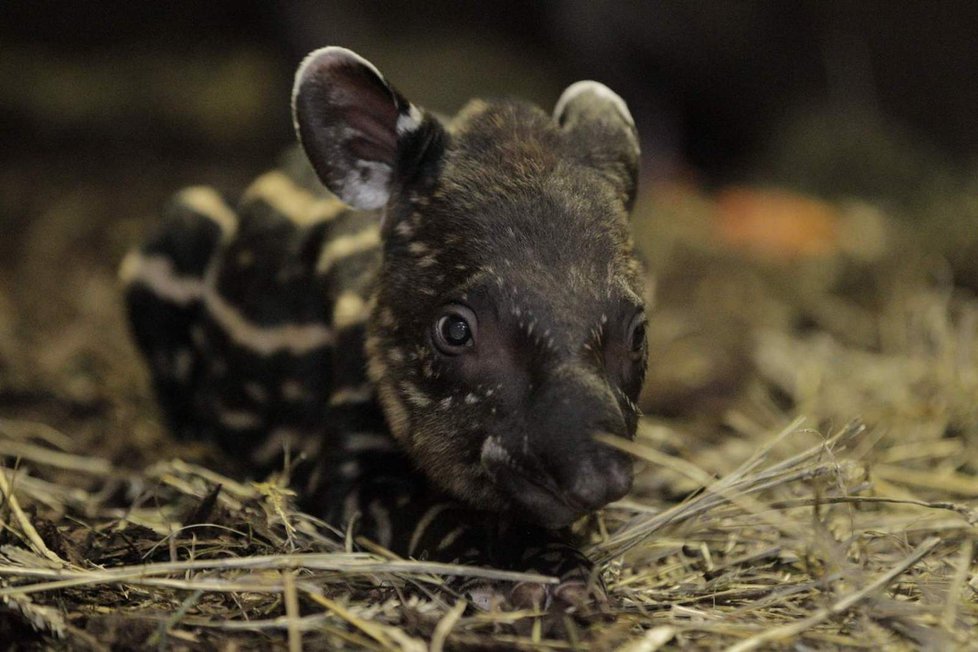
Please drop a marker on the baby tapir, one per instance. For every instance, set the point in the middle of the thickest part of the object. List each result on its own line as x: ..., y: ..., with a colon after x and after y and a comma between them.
x: 445, y: 351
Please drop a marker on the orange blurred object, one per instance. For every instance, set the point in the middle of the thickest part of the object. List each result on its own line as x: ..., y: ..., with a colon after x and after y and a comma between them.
x: 776, y: 224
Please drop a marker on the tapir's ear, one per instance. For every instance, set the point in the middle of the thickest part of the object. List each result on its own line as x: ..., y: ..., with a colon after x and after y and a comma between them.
x: 603, y: 133
x: 352, y: 125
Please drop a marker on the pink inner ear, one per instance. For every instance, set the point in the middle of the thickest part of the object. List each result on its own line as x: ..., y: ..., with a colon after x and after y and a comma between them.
x: 346, y: 116
x: 369, y: 110
x: 372, y: 138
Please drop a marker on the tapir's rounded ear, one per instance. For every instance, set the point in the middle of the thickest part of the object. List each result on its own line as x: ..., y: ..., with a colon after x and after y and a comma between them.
x: 352, y: 125
x: 603, y: 133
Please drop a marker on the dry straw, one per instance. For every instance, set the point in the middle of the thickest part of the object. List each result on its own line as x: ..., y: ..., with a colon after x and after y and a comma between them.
x: 796, y: 548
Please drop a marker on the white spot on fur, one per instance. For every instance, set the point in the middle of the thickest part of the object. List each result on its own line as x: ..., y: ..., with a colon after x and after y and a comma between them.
x: 387, y: 319
x: 367, y: 185
x: 204, y: 200
x: 297, y: 339
x: 409, y: 122
x: 404, y: 229
x: 347, y: 245
x: 367, y: 441
x: 350, y: 310
x: 291, y: 200
x: 414, y: 395
x: 493, y: 451
x: 352, y: 395
x: 156, y: 274
x: 238, y: 419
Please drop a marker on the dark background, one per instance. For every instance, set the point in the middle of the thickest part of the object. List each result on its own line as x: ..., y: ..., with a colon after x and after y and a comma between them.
x: 713, y: 84
x: 107, y: 107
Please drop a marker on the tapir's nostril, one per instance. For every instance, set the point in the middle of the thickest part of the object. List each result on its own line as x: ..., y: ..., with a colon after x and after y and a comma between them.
x: 604, y: 476
x: 620, y: 474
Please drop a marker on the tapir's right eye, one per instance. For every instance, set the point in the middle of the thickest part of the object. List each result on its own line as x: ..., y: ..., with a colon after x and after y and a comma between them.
x: 455, y: 329
x: 637, y: 336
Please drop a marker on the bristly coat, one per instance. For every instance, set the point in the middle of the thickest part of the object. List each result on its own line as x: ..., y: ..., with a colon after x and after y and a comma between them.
x: 463, y: 334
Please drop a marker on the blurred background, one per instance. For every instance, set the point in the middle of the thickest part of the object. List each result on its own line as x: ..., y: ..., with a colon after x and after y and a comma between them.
x: 827, y: 142
x: 721, y: 89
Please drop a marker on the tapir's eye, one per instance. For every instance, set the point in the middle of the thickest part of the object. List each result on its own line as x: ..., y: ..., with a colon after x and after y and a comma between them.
x: 636, y: 335
x: 455, y: 329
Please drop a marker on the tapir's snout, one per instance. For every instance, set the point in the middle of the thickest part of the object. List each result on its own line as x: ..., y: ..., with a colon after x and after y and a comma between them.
x: 602, y: 476
x: 557, y: 471
x: 557, y: 494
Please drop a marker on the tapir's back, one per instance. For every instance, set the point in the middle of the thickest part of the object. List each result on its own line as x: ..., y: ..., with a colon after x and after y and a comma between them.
x: 252, y: 318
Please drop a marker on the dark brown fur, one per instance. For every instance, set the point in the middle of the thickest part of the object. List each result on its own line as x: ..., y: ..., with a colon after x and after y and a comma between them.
x: 513, y: 212
x: 263, y: 323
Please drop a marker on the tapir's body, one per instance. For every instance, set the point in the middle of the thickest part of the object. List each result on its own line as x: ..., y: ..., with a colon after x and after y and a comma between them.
x: 450, y: 345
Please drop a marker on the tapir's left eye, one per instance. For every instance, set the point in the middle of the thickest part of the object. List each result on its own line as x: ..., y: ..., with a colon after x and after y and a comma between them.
x: 636, y: 335
x: 455, y: 329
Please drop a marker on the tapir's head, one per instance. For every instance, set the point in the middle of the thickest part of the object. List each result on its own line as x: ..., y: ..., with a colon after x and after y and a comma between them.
x: 508, y: 334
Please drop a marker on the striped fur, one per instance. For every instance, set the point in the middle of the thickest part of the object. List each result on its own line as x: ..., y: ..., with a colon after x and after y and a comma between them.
x: 290, y: 322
